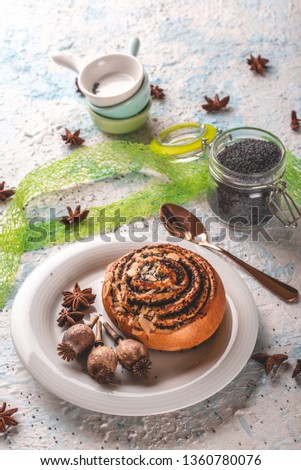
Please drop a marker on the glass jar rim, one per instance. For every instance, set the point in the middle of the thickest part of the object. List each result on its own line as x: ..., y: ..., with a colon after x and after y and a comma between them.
x: 267, y: 175
x: 174, y: 141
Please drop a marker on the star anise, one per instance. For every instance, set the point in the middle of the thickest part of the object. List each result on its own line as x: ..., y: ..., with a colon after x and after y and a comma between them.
x: 78, y: 299
x: 67, y: 316
x: 157, y: 92
x: 270, y: 361
x: 295, y: 126
x: 215, y: 104
x: 5, y: 193
x: 257, y: 64
x: 6, y: 418
x: 297, y: 369
x: 74, y: 217
x: 72, y: 138
x: 78, y: 90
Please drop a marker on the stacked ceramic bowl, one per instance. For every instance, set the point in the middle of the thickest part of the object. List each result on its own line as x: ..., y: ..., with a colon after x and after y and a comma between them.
x: 116, y: 87
x: 125, y: 116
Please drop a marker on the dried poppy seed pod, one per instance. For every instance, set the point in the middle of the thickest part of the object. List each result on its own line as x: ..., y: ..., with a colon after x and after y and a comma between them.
x: 131, y: 354
x: 102, y: 361
x: 76, y: 340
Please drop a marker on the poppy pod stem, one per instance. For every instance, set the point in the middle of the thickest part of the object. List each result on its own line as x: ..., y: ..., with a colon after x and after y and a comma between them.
x: 98, y: 336
x: 93, y: 321
x: 111, y: 332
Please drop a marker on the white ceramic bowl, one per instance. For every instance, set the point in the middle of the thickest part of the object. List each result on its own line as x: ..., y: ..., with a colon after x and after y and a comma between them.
x: 120, y: 126
x: 119, y: 76
x: 132, y: 106
x: 109, y: 79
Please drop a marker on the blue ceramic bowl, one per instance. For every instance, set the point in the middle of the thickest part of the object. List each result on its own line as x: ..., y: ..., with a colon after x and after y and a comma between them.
x: 128, y: 108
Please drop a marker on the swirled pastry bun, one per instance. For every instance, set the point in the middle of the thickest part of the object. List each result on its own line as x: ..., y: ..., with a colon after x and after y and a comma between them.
x: 165, y: 296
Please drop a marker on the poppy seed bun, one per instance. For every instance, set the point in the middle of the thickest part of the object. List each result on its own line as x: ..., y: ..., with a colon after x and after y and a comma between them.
x: 165, y: 296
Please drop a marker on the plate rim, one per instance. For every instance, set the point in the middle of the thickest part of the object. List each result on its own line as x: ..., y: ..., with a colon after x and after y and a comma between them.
x: 58, y: 258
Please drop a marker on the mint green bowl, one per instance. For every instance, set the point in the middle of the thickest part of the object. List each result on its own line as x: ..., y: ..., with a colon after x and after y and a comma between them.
x: 120, y: 126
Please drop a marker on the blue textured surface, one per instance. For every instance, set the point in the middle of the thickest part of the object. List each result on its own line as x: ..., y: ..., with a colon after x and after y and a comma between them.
x: 190, y: 48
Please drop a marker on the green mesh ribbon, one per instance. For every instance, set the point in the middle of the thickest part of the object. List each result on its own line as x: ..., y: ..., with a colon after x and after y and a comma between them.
x: 182, y: 182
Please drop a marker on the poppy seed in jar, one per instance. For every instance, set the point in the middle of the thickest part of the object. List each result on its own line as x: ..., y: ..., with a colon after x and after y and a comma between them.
x: 238, y: 192
x: 250, y: 156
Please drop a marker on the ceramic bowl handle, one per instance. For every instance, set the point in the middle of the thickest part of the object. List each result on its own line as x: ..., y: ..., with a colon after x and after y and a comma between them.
x: 133, y: 46
x: 68, y: 61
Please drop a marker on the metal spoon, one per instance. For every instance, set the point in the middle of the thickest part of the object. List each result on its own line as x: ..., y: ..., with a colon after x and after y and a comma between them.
x: 184, y: 224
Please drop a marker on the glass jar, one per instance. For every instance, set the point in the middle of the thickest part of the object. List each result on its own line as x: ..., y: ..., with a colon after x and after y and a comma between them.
x: 246, y: 199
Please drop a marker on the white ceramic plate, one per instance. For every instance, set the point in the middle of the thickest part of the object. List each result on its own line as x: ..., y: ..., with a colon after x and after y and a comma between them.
x: 177, y: 379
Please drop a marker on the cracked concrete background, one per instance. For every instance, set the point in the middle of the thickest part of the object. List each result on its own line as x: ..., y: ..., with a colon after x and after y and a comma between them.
x: 190, y: 48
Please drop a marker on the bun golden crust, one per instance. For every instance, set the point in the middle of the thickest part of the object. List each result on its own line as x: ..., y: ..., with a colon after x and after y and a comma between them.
x: 165, y: 296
